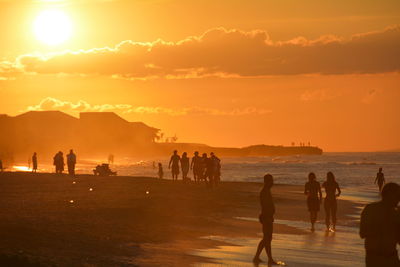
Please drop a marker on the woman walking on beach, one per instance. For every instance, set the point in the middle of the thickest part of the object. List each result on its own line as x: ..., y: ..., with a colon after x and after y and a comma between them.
x: 185, y: 166
x: 314, y: 197
x: 330, y: 204
x: 266, y: 219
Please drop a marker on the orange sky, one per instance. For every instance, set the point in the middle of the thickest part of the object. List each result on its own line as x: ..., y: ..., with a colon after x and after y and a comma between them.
x: 228, y: 73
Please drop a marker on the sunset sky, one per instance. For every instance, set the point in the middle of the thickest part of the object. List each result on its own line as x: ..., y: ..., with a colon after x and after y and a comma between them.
x: 224, y: 73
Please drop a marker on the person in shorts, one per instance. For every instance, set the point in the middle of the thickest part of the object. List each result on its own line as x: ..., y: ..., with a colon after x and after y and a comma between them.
x: 266, y: 218
x: 174, y: 161
x: 314, y: 197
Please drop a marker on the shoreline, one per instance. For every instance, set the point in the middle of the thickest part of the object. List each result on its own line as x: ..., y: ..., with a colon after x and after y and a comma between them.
x: 126, y: 221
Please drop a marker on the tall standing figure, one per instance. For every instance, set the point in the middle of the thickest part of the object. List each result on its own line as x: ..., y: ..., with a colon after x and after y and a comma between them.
x: 209, y: 172
x: 216, y: 169
x: 185, y: 165
x: 314, y: 197
x: 203, y: 167
x: 71, y: 162
x: 330, y: 204
x: 174, y: 161
x: 195, y: 165
x: 266, y: 218
x: 34, y: 162
x: 380, y: 179
x: 380, y: 227
x: 55, y: 161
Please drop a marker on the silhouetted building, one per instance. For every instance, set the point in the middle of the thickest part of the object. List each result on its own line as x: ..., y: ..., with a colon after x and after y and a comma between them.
x: 92, y: 132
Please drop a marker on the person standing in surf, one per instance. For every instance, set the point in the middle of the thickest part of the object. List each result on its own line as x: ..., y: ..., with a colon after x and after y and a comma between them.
x: 266, y: 218
x: 380, y: 179
x: 185, y: 166
x: 330, y: 203
x: 175, y: 165
x: 380, y: 227
x: 314, y: 198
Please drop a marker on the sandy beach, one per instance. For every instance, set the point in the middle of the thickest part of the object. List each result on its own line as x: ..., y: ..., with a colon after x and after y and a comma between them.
x: 49, y: 219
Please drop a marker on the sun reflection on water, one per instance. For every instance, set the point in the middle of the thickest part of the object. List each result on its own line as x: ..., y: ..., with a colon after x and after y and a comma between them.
x: 22, y: 168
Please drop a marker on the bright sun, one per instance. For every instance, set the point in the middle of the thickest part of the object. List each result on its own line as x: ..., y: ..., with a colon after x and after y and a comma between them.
x: 52, y: 27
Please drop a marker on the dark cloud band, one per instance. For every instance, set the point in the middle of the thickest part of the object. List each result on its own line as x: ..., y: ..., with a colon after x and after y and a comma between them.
x: 221, y: 52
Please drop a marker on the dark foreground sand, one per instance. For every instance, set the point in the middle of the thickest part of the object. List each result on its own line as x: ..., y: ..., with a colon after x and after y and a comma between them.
x: 129, y: 221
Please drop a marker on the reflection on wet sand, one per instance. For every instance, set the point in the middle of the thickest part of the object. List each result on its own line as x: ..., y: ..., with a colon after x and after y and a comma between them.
x: 321, y: 248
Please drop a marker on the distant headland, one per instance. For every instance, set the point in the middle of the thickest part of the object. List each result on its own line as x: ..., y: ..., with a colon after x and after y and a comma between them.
x: 249, y: 151
x: 102, y: 133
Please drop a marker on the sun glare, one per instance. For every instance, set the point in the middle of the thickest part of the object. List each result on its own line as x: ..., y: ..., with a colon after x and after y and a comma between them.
x: 52, y: 27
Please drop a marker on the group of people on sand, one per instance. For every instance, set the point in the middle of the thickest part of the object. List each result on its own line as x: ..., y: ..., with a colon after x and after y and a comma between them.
x: 379, y: 223
x: 58, y: 162
x: 207, y: 169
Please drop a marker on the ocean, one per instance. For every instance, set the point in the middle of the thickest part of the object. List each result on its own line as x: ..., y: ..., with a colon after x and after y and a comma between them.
x: 352, y: 170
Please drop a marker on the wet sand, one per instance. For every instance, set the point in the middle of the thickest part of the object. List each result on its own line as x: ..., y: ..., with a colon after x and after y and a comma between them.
x: 136, y: 221
x: 317, y: 249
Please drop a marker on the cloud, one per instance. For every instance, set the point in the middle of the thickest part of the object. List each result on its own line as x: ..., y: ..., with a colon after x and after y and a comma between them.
x: 50, y: 103
x: 9, y: 70
x: 227, y: 53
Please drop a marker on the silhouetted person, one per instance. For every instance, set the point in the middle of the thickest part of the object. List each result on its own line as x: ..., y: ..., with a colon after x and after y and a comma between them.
x: 209, y: 171
x: 55, y: 161
x: 266, y: 218
x: 195, y: 165
x: 34, y: 162
x: 203, y: 167
x: 1, y: 165
x: 160, y: 171
x: 71, y: 162
x: 216, y: 169
x: 380, y: 227
x: 175, y: 165
x: 314, y: 197
x: 330, y: 204
x: 58, y: 162
x: 380, y: 179
x: 185, y: 166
